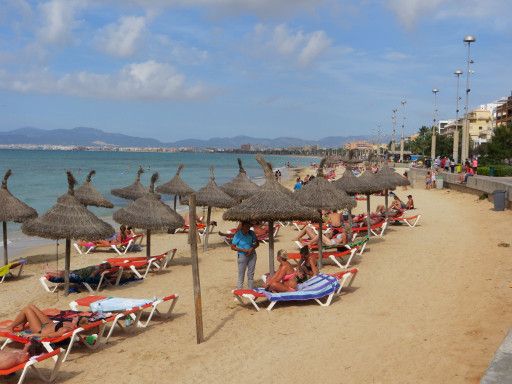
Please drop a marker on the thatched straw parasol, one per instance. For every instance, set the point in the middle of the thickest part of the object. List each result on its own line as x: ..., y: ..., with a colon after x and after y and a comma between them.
x: 149, y: 213
x: 68, y: 219
x: 176, y: 186
x: 88, y: 195
x: 323, y: 195
x: 241, y: 187
x: 133, y: 191
x: 211, y: 196
x: 369, y: 184
x: 270, y: 204
x: 390, y: 180
x: 12, y: 209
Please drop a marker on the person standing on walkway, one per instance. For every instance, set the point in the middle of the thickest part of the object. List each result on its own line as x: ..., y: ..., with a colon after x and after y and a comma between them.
x: 245, y: 243
x: 452, y: 166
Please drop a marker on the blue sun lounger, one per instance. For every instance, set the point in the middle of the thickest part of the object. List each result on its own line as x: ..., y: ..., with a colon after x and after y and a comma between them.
x: 315, y: 288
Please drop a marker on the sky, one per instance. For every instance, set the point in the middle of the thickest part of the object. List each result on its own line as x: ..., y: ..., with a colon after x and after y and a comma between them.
x: 177, y: 69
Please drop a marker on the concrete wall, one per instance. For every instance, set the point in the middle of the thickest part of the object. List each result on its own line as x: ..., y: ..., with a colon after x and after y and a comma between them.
x: 476, y: 185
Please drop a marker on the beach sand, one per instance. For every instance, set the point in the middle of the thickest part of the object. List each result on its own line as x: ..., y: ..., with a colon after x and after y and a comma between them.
x: 430, y: 304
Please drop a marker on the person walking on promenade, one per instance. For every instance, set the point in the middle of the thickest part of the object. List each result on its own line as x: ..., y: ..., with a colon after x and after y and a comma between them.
x: 245, y: 243
x: 452, y: 166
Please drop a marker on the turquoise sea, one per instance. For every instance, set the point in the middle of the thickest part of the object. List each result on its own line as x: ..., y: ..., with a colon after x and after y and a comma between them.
x: 39, y: 176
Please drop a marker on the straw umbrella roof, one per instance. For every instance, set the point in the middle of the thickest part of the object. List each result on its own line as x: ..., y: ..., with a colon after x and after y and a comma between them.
x: 133, y: 191
x: 241, y: 187
x: 149, y: 212
x: 11, y: 208
x: 389, y: 176
x: 322, y: 194
x: 349, y: 182
x: 270, y: 203
x: 212, y: 196
x: 175, y: 186
x: 68, y: 219
x: 276, y: 184
x: 370, y: 183
x: 88, y: 195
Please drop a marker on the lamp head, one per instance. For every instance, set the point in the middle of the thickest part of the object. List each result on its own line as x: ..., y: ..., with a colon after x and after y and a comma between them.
x: 435, y: 90
x: 457, y: 72
x: 469, y: 39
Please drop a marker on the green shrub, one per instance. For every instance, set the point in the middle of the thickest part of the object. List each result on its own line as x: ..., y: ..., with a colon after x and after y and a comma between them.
x: 500, y: 170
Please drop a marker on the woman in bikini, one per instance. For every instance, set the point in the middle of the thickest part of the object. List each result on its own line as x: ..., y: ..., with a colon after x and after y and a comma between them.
x: 285, y: 279
x: 307, y: 265
x: 41, y: 325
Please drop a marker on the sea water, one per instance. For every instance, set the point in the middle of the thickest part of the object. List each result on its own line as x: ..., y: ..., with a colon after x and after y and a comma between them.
x: 39, y: 177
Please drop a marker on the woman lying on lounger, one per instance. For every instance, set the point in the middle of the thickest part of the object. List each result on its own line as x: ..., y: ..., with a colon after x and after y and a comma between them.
x: 41, y: 325
x: 285, y: 279
x: 333, y: 238
x: 11, y: 357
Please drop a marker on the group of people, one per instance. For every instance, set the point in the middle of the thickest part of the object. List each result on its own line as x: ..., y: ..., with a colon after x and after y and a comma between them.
x: 299, y: 183
x: 245, y: 242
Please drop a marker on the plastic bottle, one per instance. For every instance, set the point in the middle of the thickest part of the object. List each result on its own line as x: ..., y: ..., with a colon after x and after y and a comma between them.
x: 100, y: 311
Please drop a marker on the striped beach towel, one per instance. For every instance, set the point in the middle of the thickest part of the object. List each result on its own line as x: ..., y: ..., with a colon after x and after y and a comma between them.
x: 314, y: 288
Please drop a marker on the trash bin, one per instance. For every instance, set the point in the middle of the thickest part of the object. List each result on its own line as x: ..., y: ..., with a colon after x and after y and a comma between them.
x: 458, y: 168
x: 492, y: 171
x: 439, y: 182
x: 499, y: 200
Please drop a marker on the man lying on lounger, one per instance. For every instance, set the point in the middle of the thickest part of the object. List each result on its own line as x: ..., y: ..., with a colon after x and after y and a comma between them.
x: 12, y: 357
x: 88, y: 274
x: 335, y: 237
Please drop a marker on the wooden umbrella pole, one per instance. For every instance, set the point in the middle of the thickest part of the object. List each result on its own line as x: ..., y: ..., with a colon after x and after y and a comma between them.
x: 350, y: 224
x: 386, y: 202
x: 320, y: 242
x: 148, y: 242
x: 6, y: 258
x: 271, y: 247
x: 175, y: 201
x: 207, y: 229
x: 368, y: 219
x: 67, y: 262
x: 195, y: 269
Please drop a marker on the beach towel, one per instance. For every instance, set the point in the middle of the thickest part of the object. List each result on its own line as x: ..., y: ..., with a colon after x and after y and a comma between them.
x: 116, y: 304
x: 315, y: 288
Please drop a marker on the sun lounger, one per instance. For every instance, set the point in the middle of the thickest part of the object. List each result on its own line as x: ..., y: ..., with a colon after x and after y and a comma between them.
x: 31, y: 365
x: 139, y: 306
x: 6, y: 270
x: 85, y: 247
x: 141, y: 266
x: 411, y: 221
x: 51, y: 284
x: 315, y: 289
x: 346, y: 278
x: 376, y: 229
x: 77, y: 335
x: 265, y: 237
x: 334, y: 256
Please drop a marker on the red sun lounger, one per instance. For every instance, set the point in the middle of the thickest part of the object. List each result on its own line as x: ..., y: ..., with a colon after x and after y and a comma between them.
x: 335, y: 256
x: 31, y: 365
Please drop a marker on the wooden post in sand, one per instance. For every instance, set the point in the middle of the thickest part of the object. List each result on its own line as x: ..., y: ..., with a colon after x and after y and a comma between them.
x: 195, y: 269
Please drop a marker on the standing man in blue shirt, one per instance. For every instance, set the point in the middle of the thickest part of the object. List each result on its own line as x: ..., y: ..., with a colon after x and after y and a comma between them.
x: 245, y: 243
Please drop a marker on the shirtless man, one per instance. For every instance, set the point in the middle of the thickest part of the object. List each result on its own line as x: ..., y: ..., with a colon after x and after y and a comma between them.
x: 11, y: 357
x: 335, y: 219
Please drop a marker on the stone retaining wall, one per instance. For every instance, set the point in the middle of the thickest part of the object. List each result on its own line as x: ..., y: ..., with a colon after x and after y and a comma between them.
x: 476, y: 185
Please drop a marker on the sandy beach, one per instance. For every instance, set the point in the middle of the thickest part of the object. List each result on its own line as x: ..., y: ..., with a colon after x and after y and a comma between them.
x: 430, y: 305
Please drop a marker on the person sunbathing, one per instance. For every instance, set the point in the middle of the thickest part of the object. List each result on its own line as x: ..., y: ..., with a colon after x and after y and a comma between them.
x: 117, y: 238
x: 333, y: 238
x: 199, y: 220
x: 88, y: 274
x: 307, y: 267
x: 12, y: 357
x: 40, y: 325
x: 335, y: 219
x: 285, y: 278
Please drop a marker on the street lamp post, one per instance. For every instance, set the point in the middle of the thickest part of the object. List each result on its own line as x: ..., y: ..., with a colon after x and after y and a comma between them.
x: 393, y: 141
x: 403, y: 102
x: 465, y: 129
x: 457, y: 73
x: 434, y: 128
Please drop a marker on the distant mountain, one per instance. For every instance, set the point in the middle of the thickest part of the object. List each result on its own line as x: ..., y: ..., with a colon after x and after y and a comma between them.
x: 96, y: 137
x: 75, y: 136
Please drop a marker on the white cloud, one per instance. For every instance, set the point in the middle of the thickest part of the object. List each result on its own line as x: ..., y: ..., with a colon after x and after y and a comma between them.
x: 302, y: 47
x: 123, y: 37
x: 58, y: 20
x: 146, y: 80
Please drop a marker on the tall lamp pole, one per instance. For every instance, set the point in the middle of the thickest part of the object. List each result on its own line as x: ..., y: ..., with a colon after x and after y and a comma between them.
x: 393, y: 140
x: 434, y: 127
x: 403, y: 102
x: 457, y: 73
x: 465, y: 129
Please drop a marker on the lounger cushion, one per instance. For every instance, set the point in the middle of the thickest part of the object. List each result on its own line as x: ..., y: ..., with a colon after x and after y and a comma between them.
x: 113, y: 304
